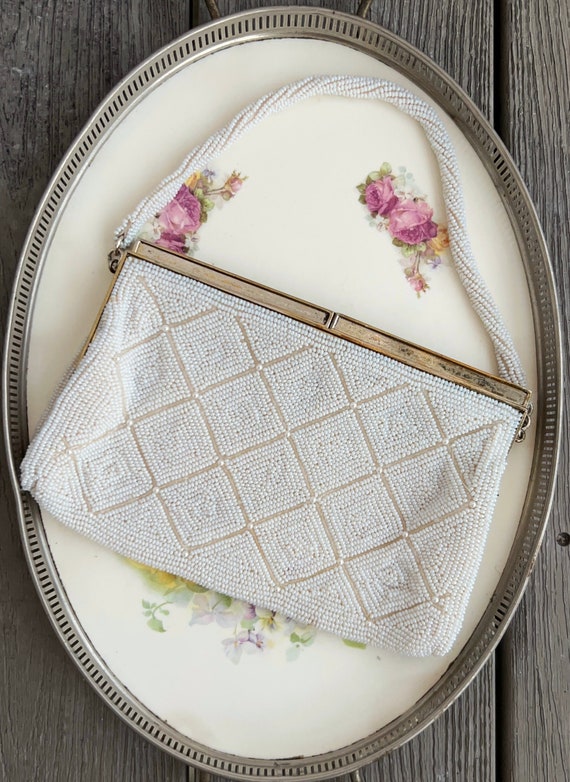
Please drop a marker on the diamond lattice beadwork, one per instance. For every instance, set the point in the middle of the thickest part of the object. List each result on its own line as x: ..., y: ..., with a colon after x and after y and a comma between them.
x: 264, y: 458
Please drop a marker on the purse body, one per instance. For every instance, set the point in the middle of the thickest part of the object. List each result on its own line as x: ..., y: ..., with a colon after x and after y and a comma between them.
x: 273, y: 460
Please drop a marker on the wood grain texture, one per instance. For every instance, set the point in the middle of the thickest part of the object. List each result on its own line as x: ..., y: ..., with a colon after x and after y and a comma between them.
x: 534, y: 669
x: 461, y: 744
x: 59, y: 59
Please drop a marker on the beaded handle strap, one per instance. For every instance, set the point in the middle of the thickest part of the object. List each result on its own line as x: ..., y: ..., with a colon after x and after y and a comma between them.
x: 508, y: 362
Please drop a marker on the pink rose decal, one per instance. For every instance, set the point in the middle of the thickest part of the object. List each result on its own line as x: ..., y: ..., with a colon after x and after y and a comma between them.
x: 410, y: 222
x: 394, y: 204
x: 171, y: 241
x: 418, y: 283
x: 380, y: 197
x: 182, y: 214
x: 235, y: 184
x: 176, y: 226
x: 232, y: 185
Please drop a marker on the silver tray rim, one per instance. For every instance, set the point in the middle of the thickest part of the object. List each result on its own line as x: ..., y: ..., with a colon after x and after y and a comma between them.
x: 369, y: 38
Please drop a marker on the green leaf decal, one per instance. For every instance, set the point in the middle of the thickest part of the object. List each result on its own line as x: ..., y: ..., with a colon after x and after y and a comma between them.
x: 295, y: 639
x: 156, y: 625
x: 353, y: 644
x: 192, y: 587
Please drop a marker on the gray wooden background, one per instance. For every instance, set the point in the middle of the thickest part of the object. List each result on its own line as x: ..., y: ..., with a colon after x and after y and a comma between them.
x: 58, y: 59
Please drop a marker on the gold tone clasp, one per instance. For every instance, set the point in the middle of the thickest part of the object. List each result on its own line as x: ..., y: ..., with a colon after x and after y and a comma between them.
x: 332, y: 320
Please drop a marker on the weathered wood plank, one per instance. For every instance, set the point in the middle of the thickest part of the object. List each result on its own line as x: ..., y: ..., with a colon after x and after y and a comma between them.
x: 60, y: 57
x: 534, y: 659
x: 461, y: 744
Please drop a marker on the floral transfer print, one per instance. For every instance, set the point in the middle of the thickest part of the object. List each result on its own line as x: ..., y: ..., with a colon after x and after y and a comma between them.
x: 395, y: 205
x: 176, y: 226
x: 251, y: 630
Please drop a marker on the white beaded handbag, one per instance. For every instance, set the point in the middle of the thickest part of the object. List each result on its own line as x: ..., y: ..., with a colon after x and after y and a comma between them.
x: 276, y: 451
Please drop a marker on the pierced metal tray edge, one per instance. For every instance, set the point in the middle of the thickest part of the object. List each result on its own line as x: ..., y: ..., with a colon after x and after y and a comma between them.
x: 373, y: 40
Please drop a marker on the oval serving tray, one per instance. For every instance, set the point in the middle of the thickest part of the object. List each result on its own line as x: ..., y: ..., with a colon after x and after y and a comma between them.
x: 368, y: 39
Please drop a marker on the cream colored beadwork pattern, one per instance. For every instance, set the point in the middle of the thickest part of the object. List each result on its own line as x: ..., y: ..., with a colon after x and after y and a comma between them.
x: 211, y: 438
